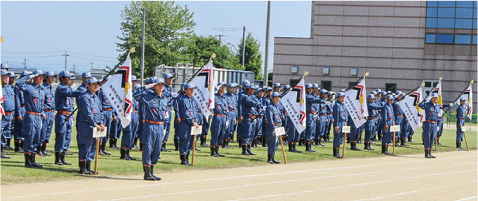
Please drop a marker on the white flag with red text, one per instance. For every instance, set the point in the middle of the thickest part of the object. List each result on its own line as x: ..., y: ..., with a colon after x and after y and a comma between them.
x: 355, y: 101
x: 204, y: 94
x: 294, y: 104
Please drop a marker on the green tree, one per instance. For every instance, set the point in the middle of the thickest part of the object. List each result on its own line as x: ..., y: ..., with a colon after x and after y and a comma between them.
x: 200, y: 49
x: 253, y: 57
x: 168, y: 27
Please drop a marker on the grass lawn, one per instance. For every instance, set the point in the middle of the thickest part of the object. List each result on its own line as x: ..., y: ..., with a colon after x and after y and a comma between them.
x: 13, y: 170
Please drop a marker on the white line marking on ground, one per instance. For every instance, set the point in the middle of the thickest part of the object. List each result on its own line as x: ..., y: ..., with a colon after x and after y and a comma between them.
x: 468, y: 198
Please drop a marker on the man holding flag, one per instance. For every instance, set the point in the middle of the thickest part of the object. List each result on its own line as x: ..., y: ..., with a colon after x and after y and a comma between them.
x: 461, y: 112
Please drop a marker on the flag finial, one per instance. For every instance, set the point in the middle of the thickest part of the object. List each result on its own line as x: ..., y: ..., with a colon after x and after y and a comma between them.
x: 132, y: 50
x: 423, y: 83
x: 471, y: 81
x: 366, y: 74
x: 440, y: 78
x: 213, y: 55
x: 306, y: 73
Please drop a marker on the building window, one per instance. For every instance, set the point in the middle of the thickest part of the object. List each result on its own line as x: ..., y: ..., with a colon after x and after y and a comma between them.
x: 326, y: 70
x: 451, y: 14
x: 462, y: 39
x: 391, y: 87
x: 474, y: 39
x: 326, y: 85
x: 444, y: 39
x: 430, y: 38
x: 353, y: 71
x: 295, y: 69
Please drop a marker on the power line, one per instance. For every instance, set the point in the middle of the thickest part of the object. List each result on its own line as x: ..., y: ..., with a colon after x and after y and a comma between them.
x: 93, y: 55
x: 95, y: 59
x: 225, y: 29
x: 30, y: 52
x: 35, y: 56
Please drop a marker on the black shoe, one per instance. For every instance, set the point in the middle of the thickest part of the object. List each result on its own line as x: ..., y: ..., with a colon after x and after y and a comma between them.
x: 88, y: 167
x: 18, y: 148
x: 165, y: 149
x: 103, y: 148
x: 43, y: 149
x: 337, y: 152
x: 176, y: 145
x: 28, y: 160
x: 367, y: 146
x: 319, y: 142
x: 39, y: 152
x: 249, y: 150
x: 183, y: 160
x: 82, y: 165
x: 34, y: 164
x: 111, y: 143
x: 385, y: 150
x: 127, y: 155
x: 217, y: 152
x: 269, y: 160
x: 3, y: 156
x: 458, y: 145
x: 310, y: 147
x: 427, y: 154
x: 232, y: 139
x: 154, y: 176
x: 403, y: 142
x: 62, y: 158
x: 290, y: 147
x: 354, y: 146
x: 359, y: 140
x: 244, y: 150
x: 123, y: 155
x: 410, y: 139
x: 294, y: 148
x: 213, y: 151
x: 274, y: 160
x: 58, y: 158
x: 8, y: 147
x: 187, y: 160
x: 314, y: 143
x: 147, y: 173
x: 203, y: 141
x: 430, y: 153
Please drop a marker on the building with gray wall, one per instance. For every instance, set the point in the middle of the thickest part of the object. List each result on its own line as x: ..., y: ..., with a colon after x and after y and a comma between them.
x: 401, y: 44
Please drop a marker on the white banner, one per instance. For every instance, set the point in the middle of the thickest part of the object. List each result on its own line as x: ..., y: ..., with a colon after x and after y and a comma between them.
x: 437, y: 90
x: 356, y: 103
x: 468, y: 96
x: 410, y: 108
x: 118, y: 90
x: 294, y: 104
x: 204, y: 94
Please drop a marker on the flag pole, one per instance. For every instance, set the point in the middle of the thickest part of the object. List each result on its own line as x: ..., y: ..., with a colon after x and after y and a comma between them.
x: 356, y: 82
x: 471, y: 82
x: 296, y: 83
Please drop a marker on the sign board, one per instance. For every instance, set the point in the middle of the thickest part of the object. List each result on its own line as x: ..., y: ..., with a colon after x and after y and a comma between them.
x: 463, y: 128
x: 395, y: 128
x: 279, y: 131
x: 346, y: 129
x: 196, y: 131
x: 97, y: 133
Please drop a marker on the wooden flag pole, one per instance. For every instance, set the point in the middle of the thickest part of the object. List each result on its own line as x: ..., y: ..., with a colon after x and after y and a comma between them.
x: 345, y: 144
x: 96, y: 156
x: 394, y: 133
x: 466, y: 142
x: 283, y: 151
x: 436, y: 142
x: 194, y: 150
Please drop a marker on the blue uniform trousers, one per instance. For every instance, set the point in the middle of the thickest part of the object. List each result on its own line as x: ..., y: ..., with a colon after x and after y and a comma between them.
x: 259, y: 125
x: 167, y: 125
x: 107, y: 122
x: 272, y: 143
x: 31, y: 132
x: 7, y: 125
x: 404, y: 129
x: 398, y: 121
x: 17, y: 129
x: 152, y: 141
x: 320, y: 127
x: 218, y: 130
x: 338, y: 136
x: 386, y: 136
x: 310, y: 127
x: 459, y: 132
x: 247, y: 130
x: 47, y: 127
x: 86, y: 142
x: 205, y: 125
x: 231, y: 116
x: 116, y: 128
x: 370, y: 127
x: 292, y: 134
x: 429, y: 132
x: 328, y: 124
x: 129, y: 132
x: 63, y: 129
x: 440, y: 131
x: 353, y: 135
x: 186, y: 144
x: 379, y: 129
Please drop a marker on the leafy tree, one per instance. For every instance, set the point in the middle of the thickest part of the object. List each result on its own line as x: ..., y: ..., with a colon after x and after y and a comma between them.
x: 168, y: 27
x: 253, y: 57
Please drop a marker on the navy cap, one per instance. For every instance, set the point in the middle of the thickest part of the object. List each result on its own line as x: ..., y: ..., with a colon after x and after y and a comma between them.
x: 230, y: 85
x: 370, y: 96
x: 92, y: 80
x: 384, y: 93
x: 4, y: 65
x: 4, y: 72
x: 65, y: 74
x: 434, y: 95
x: 245, y: 82
x: 183, y: 85
x: 323, y: 91
x: 373, y: 93
x: 158, y: 80
x: 260, y: 89
x: 276, y: 85
x: 462, y: 99
x: 50, y: 74
x: 389, y: 92
x: 269, y: 89
x: 286, y: 87
x: 378, y: 91
x: 138, y: 85
x: 12, y: 74
x: 250, y: 86
x: 342, y: 90
x: 38, y: 72
x: 331, y: 93
x: 389, y: 97
x: 221, y: 83
x: 275, y: 94
x: 168, y: 75
x: 315, y: 85
x: 148, y: 80
x: 134, y: 78
x: 86, y: 74
x: 308, y: 86
x: 341, y: 94
x: 398, y: 93
x: 189, y: 86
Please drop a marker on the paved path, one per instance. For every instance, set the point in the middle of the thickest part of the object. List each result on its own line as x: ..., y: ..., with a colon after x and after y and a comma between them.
x: 452, y: 176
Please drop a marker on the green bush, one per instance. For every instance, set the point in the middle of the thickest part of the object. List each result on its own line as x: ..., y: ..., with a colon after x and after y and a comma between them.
x: 452, y: 117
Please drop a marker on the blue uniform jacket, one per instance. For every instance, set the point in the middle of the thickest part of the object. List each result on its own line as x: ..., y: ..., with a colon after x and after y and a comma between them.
x: 461, y: 112
x: 63, y: 97
x: 250, y: 103
x: 155, y: 106
x: 19, y: 102
x: 273, y: 116
x: 33, y: 95
x: 340, y: 114
x: 89, y: 111
x: 9, y: 98
x: 221, y: 104
x: 49, y: 102
x: 388, y: 115
x: 431, y: 110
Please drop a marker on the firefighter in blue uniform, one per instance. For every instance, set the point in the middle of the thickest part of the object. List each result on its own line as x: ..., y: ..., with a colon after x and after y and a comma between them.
x: 11, y: 82
x: 249, y: 104
x: 187, y: 110
x: 155, y: 113
x: 31, y: 131
x: 177, y: 119
x: 340, y: 119
x: 378, y: 132
x: 260, y: 118
x: 108, y: 117
x: 399, y: 115
x: 168, y: 92
x: 129, y: 133
x: 311, y: 108
x: 9, y: 109
x: 141, y: 116
x: 64, y: 107
x: 273, y: 119
x: 330, y: 116
x: 371, y: 124
x: 231, y: 115
x: 89, y: 118
x: 322, y: 118
x: 388, y: 120
x: 234, y: 99
x: 461, y: 112
x: 432, y: 109
x: 19, y: 114
x: 218, y: 126
x: 265, y: 101
x: 240, y: 127
x: 49, y: 107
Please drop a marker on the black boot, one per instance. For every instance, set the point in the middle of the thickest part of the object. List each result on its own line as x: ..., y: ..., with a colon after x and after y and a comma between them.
x: 62, y: 158
x: 103, y: 147
x: 203, y: 141
x: 88, y: 167
x: 116, y: 144
x: 135, y: 143
x: 274, y: 160
x: 217, y: 152
x: 18, y: 148
x: 458, y: 145
x: 165, y: 149
x: 8, y: 147
x: 319, y: 142
x: 183, y: 159
x: 227, y: 145
x: 403, y: 142
x: 34, y: 164
x: 301, y: 142
x: 290, y: 147
x: 396, y: 142
x: 82, y: 165
x: 154, y: 176
x: 368, y: 147
x: 127, y: 155
x: 58, y: 158
x: 438, y: 141
x: 269, y: 160
x: 213, y: 152
x: 244, y: 150
x: 264, y: 142
x: 430, y: 153
x: 43, y: 148
x: 385, y: 150
x: 239, y: 141
x: 111, y: 143
x: 354, y: 146
x: 379, y: 136
x: 328, y: 137
x: 310, y: 147
x: 100, y: 151
x: 294, y: 148
x: 224, y: 143
x: 410, y: 139
x: 123, y: 153
x: 337, y: 152
x: 39, y: 152
x: 348, y: 139
x: 187, y: 160
x: 147, y: 173
x: 176, y: 145
x: 28, y: 160
x: 232, y: 138
x: 359, y: 140
x: 314, y: 143
x: 249, y: 150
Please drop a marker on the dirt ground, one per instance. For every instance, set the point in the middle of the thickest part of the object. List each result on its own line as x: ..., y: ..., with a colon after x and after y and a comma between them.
x: 451, y: 176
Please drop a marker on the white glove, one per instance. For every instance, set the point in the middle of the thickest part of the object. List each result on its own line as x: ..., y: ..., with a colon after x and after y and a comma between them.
x: 175, y: 95
x: 149, y: 86
x: 451, y: 104
x: 32, y: 76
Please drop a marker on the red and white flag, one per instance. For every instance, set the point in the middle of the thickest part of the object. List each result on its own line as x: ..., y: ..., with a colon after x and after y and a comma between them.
x: 468, y: 96
x: 356, y: 103
x: 204, y: 94
x: 294, y: 104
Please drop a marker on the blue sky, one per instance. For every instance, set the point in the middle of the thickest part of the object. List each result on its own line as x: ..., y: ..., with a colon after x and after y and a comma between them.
x: 42, y: 31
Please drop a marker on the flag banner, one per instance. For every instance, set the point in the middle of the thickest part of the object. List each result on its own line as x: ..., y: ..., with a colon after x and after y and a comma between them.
x: 204, y: 94
x: 119, y: 92
x: 356, y: 103
x: 294, y: 104
x: 437, y: 90
x: 2, y: 99
x: 468, y: 95
x: 410, y: 108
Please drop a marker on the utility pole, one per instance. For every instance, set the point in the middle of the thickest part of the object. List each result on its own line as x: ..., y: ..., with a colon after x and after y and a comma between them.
x: 266, y: 66
x: 74, y: 67
x: 142, y: 49
x: 243, y: 44
x: 25, y: 63
x: 220, y: 36
x: 65, y: 55
x: 91, y: 65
